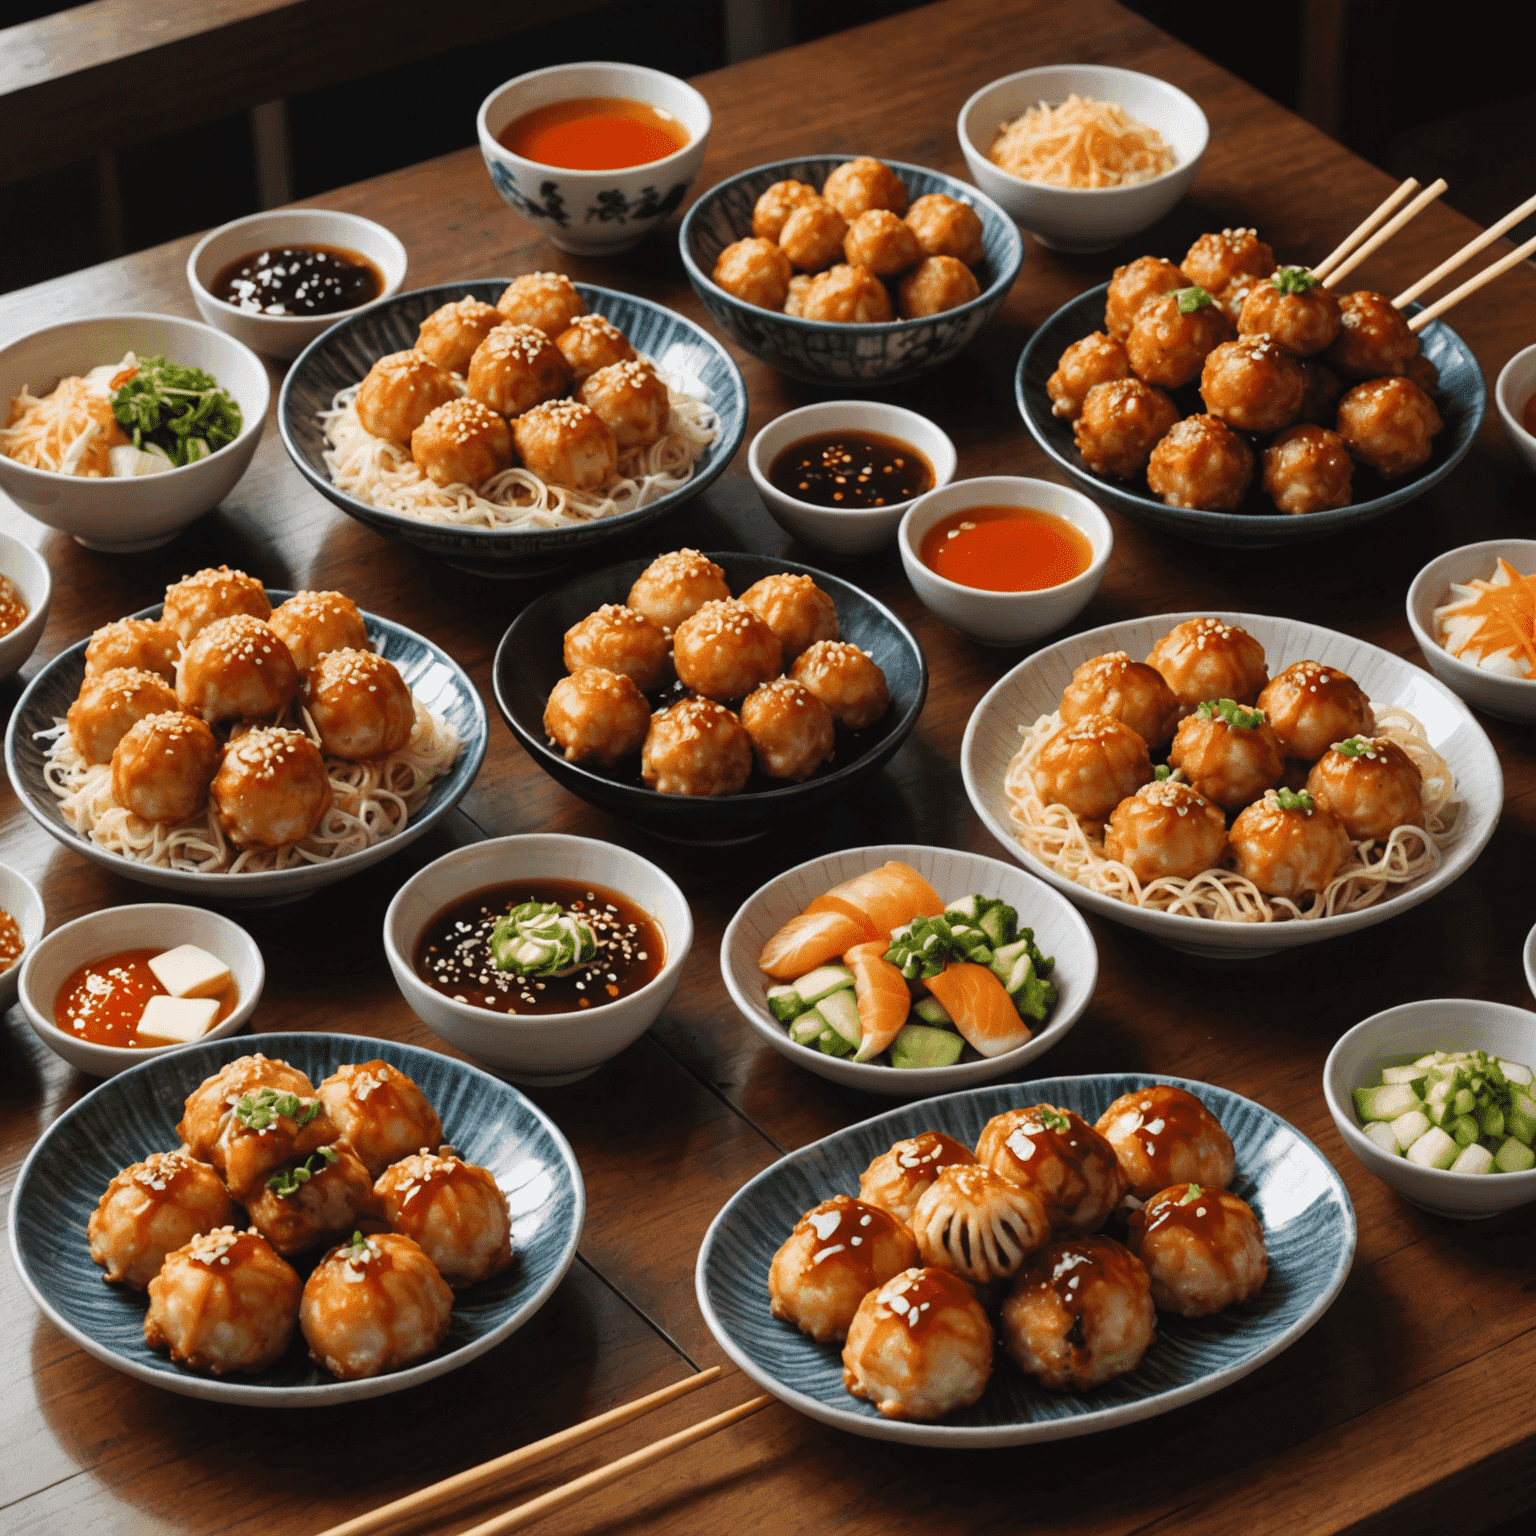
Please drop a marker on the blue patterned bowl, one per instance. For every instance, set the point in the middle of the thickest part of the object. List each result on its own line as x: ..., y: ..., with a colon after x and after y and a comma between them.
x: 821, y: 353
x: 488, y: 1122
x: 432, y: 675
x: 1462, y: 401
x: 1309, y: 1227
x: 345, y: 353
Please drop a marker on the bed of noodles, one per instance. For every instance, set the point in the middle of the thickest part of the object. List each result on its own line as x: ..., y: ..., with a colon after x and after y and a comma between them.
x: 1055, y: 836
x: 384, y: 475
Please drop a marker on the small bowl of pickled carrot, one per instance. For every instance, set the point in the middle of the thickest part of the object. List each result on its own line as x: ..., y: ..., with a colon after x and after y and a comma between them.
x: 1004, y: 559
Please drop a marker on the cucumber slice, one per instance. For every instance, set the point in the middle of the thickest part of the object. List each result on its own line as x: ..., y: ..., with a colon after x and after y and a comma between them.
x: 1381, y: 1133
x: 1401, y: 1074
x: 1439, y: 1114
x: 931, y: 1011
x: 1385, y: 1102
x: 968, y: 907
x: 1411, y: 1127
x: 1492, y: 1122
x: 1514, y: 1157
x: 996, y: 926
x: 830, y: 1043
x: 841, y: 1011
x: 816, y: 984
x: 1520, y: 1122
x: 1465, y: 1102
x: 920, y: 1046
x: 1439, y: 1092
x: 1516, y: 1073
x: 784, y: 1004
x: 1434, y: 1149
x: 808, y: 1028
x: 1473, y: 1159
x: 1463, y: 1129
x: 1432, y: 1060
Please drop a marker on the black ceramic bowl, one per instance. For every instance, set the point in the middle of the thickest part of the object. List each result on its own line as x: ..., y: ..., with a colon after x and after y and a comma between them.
x: 529, y: 663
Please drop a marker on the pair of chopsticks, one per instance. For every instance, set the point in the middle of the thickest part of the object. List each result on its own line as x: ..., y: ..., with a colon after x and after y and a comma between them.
x: 453, y: 1490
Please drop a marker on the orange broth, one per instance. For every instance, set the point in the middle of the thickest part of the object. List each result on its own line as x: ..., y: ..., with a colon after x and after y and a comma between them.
x: 594, y: 133
x: 1006, y: 549
x: 103, y: 1000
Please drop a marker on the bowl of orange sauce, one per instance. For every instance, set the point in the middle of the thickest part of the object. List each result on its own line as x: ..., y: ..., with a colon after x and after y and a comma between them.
x: 596, y: 155
x: 1004, y: 559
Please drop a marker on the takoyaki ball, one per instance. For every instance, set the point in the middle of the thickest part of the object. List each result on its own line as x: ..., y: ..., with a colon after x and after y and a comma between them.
x: 1214, y: 260
x: 697, y: 747
x: 453, y: 1211
x: 1307, y: 468
x: 883, y: 242
x: 596, y: 716
x: 312, y: 623
x: 380, y: 1111
x: 847, y: 680
x: 265, y: 1129
x: 776, y: 204
x: 223, y: 1302
x: 209, y: 1118
x: 1201, y: 462
x: 617, y: 638
x: 271, y: 790
x: 462, y: 443
x: 567, y: 443
x: 236, y: 669
x: 110, y: 704
x: 516, y: 368
x: 1203, y: 1248
x: 162, y: 767
x: 1168, y: 342
x: 812, y: 237
x: 898, y: 1179
x: 858, y: 185
x: 837, y: 1254
x: 547, y: 300
x: 450, y: 334
x: 1312, y: 706
x: 799, y: 286
x: 1133, y: 285
x: 1229, y: 756
x: 1090, y: 765
x: 1231, y: 299
x: 1293, y: 308
x: 724, y: 651
x: 1252, y: 384
x: 1289, y: 847
x: 196, y: 601
x: 374, y: 1305
x: 945, y: 226
x: 360, y: 705
x: 675, y: 586
x: 1058, y: 1155
x: 631, y: 400
x: 1096, y: 359
x: 1128, y: 691
x: 844, y: 295
x: 1204, y: 659
x: 791, y: 730
x: 1120, y: 424
x: 313, y: 1200
x: 1389, y: 424
x: 1423, y: 373
x: 591, y: 342
x: 1320, y: 392
x: 1371, y: 785
x: 974, y: 1222
x: 1166, y: 831
x: 1373, y: 340
x: 1164, y: 1135
x: 151, y: 1209
x: 754, y: 271
x: 140, y: 645
x: 919, y: 1347
x: 935, y: 284
x: 399, y: 393
x: 795, y: 609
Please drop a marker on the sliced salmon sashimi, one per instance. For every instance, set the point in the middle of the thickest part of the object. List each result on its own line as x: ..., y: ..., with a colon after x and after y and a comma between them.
x: 883, y: 999
x: 882, y: 899
x: 983, y: 1012
x: 807, y: 941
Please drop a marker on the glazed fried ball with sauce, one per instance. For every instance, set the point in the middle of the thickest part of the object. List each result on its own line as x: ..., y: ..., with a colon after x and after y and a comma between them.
x: 630, y: 400
x: 845, y: 679
x: 453, y: 1211
x: 935, y: 284
x: 898, y: 1179
x: 1423, y: 373
x: 567, y: 443
x: 881, y: 242
x: 863, y: 183
x: 1231, y: 758
x: 316, y: 1200
x: 697, y: 747
x: 399, y: 393
x: 140, y: 645
x: 1307, y: 468
x: 795, y: 609
x: 791, y: 730
x: 150, y: 1210
x: 548, y: 300
x: 724, y: 651
x: 1133, y: 285
x: 162, y: 767
x: 974, y: 1222
x: 1164, y: 1135
x: 1172, y: 335
x: 775, y: 205
x: 271, y: 790
x: 1202, y: 463
x: 381, y: 1112
x: 1202, y: 1246
x: 596, y: 716
x: 1166, y: 830
x: 1320, y: 392
x: 1125, y: 690
x: 196, y: 601
x: 1312, y: 706
x: 312, y: 623
x: 462, y: 443
x: 945, y: 226
x: 236, y: 669
x: 1058, y: 1155
x: 845, y: 295
x: 754, y: 271
x: 1294, y: 309
x: 1373, y: 339
x: 1371, y: 785
x: 794, y: 300
x: 1214, y: 260
x: 591, y: 342
x: 1252, y: 384
x: 617, y: 638
x: 450, y: 334
x: 1096, y: 359
x: 1120, y: 424
x: 1289, y: 847
x: 210, y: 1125
x: 1204, y: 659
x: 1389, y: 424
x: 1090, y: 765
x: 360, y: 705
x: 813, y: 237
x: 516, y: 368
x: 110, y: 704
x: 674, y: 586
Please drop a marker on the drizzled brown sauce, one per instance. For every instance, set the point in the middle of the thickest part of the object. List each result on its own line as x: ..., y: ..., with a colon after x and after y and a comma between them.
x: 1170, y: 1120
x: 928, y: 1296
x: 1203, y: 1215
x: 851, y: 471
x: 930, y: 1153
x: 846, y: 1230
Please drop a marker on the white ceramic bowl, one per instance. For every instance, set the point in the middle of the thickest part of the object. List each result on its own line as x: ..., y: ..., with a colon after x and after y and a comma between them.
x: 33, y: 580
x: 1400, y: 1035
x: 1059, y: 931
x: 594, y: 213
x: 858, y: 530
x: 1516, y: 384
x: 287, y: 335
x: 145, y: 511
x: 547, y: 1048
x: 1530, y: 960
x: 1507, y: 698
x: 1004, y: 618
x: 21, y: 899
x: 47, y: 965
x: 1084, y: 218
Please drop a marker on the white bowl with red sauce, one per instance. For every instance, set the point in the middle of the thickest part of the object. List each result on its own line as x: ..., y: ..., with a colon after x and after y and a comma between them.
x: 1013, y: 615
x: 33, y: 581
x: 47, y: 965
x: 21, y: 899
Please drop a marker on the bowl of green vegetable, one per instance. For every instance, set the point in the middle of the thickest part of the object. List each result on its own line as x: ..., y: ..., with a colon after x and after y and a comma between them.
x: 125, y: 428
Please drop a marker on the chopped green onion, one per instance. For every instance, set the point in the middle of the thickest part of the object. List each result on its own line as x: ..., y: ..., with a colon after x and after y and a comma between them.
x: 287, y: 1183
x: 181, y: 411
x: 1190, y: 1195
x: 1191, y: 299
x: 1356, y: 746
x: 1053, y: 1118
x: 1290, y: 280
x: 1293, y: 800
x: 1235, y: 714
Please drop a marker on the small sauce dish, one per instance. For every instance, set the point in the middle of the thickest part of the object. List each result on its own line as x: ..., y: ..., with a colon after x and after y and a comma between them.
x: 29, y: 574
x: 21, y: 899
x: 1515, y: 387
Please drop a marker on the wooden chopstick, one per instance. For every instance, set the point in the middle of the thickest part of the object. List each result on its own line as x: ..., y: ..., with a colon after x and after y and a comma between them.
x: 1466, y: 253
x: 453, y: 1489
x: 1472, y: 284
x: 1363, y: 228
x: 1385, y: 233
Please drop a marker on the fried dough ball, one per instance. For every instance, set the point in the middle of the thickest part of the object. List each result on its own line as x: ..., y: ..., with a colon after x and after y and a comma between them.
x: 1371, y: 785
x: 110, y: 704
x: 1125, y: 690
x: 450, y: 334
x: 791, y: 730
x: 935, y: 284
x: 631, y: 400
x: 1133, y: 285
x: 236, y: 669
x: 151, y: 1209
x: 794, y: 300
x: 312, y: 1201
x: 262, y: 1125
x: 813, y: 235
x: 1293, y: 308
x: 974, y: 1222
x: 312, y: 623
x: 838, y: 1252
x: 271, y: 790
x: 1167, y: 345
x: 1308, y: 469
x: 1203, y: 1248
x: 547, y: 300
x: 1320, y: 391
x: 617, y: 638
x: 1164, y: 1135
x: 139, y: 645
x: 360, y: 705
x: 381, y: 1112
x: 162, y: 767
x: 1202, y: 463
x: 882, y: 242
x: 754, y: 271
x: 1166, y: 831
x: 898, y: 1179
x: 567, y: 443
x: 860, y: 184
x: 725, y: 650
x: 453, y: 1211
x: 596, y: 716
x: 1204, y: 659
x: 1232, y: 298
x: 1289, y: 848
x: 1057, y: 1154
x: 462, y: 443
x: 1389, y: 424
x: 795, y: 609
x: 776, y: 204
x: 1120, y: 423
x: 209, y: 1122
x: 845, y: 295
x: 1226, y: 759
x: 945, y: 226
x: 1373, y: 339
x: 516, y: 368
x: 697, y: 747
x: 399, y: 393
x: 1090, y: 765
x: 846, y: 679
x: 196, y: 601
x: 591, y: 342
x: 674, y: 586
x: 1214, y: 260
x: 1252, y: 384
x: 1312, y: 706
x: 1096, y: 359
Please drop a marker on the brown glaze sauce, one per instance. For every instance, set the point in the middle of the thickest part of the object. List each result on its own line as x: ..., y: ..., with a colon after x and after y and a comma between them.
x: 1170, y: 1118
x: 1204, y: 1215
x: 1073, y: 1145
x: 927, y: 1298
x: 846, y: 1230
x: 930, y: 1153
x: 298, y: 280
x: 851, y: 471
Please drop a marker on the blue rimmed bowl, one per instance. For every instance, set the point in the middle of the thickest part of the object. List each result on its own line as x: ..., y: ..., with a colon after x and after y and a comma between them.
x: 823, y: 353
x: 488, y: 1122
x: 1462, y: 400
x: 430, y: 673
x: 345, y: 353
x: 1309, y: 1228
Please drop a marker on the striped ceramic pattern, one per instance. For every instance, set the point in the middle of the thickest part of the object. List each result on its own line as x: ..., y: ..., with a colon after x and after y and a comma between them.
x: 431, y: 674
x: 487, y: 1121
x: 1309, y: 1227
x: 1462, y: 400
x: 1034, y: 688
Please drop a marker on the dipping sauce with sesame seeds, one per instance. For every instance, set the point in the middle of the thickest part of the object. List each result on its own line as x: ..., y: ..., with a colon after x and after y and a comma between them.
x: 1006, y: 549
x: 453, y: 954
x: 103, y: 1000
x: 13, y: 607
x: 11, y: 941
x: 298, y: 280
x: 853, y: 471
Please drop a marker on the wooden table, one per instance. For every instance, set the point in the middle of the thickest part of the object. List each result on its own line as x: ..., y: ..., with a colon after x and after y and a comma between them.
x: 1407, y: 1405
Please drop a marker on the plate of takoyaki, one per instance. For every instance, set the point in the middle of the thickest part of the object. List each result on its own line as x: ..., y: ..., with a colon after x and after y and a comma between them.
x: 708, y: 696
x: 326, y: 1219
x: 1237, y: 402
x: 1229, y: 783
x: 1027, y: 1262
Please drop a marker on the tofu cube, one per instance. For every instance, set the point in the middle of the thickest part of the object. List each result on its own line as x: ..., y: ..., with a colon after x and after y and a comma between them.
x: 176, y: 1020
x: 188, y: 971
